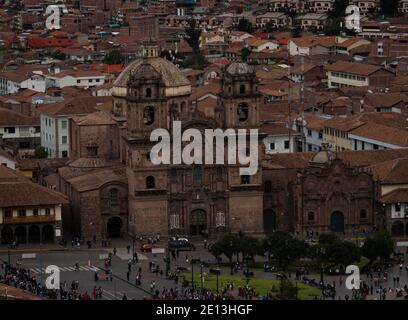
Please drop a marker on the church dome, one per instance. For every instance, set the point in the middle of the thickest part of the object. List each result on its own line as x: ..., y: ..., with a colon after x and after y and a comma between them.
x: 240, y: 68
x: 175, y: 81
x: 89, y: 163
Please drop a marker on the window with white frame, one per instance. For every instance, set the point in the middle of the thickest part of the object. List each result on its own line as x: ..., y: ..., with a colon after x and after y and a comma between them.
x: 220, y: 219
x: 174, y: 221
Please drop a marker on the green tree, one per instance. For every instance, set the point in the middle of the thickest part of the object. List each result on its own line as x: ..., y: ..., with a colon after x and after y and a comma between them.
x: 244, y: 25
x: 343, y: 253
x: 113, y: 57
x: 245, y: 52
x: 40, y: 152
x: 284, y: 248
x: 328, y: 238
x: 332, y: 27
x: 249, y: 246
x: 195, y: 61
x: 229, y: 245
x: 339, y: 8
x: 380, y: 245
x: 296, y: 31
x: 389, y: 7
x: 193, y: 35
x: 269, y: 27
x: 58, y: 55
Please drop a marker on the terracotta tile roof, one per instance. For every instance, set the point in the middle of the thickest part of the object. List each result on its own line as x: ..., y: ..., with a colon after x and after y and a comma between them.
x: 13, y: 118
x: 25, y: 192
x: 385, y: 99
x: 40, y: 43
x: 93, y: 119
x: 354, y: 68
x: 210, y: 88
x: 277, y: 129
x: 95, y: 179
x: 378, y: 132
x: 302, y: 69
x: 309, y: 42
x: 392, y: 171
x: 357, y: 159
x: 314, y: 122
x: 344, y: 123
x: 74, y: 106
x: 396, y: 196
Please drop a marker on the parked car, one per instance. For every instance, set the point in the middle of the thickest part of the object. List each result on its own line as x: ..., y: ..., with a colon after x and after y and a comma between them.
x: 181, y: 245
x: 147, y: 247
x: 215, y: 271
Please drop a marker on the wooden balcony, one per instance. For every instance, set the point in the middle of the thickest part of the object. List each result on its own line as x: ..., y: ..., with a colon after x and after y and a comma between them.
x: 29, y: 219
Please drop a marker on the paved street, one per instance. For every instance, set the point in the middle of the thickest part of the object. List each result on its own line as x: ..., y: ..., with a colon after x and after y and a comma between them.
x: 90, y: 260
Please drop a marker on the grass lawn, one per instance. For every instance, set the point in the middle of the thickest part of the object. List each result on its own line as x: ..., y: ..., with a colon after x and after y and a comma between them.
x: 262, y: 286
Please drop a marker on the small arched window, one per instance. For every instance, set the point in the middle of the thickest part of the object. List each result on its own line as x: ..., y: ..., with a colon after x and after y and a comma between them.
x: 268, y: 187
x: 243, y: 112
x: 242, y: 89
x: 148, y: 93
x: 114, y: 196
x: 245, y: 179
x: 148, y: 115
x: 150, y: 182
x: 197, y: 174
x: 311, y: 216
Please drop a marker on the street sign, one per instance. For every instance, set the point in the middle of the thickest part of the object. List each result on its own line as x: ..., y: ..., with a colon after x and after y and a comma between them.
x: 28, y: 256
x: 158, y: 250
x: 103, y: 256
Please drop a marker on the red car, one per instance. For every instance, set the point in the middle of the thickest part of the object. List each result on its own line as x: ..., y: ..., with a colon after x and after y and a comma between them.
x: 147, y: 247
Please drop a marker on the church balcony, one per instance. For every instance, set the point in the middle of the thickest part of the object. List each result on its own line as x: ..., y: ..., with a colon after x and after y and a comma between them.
x: 246, y: 187
x: 150, y: 192
x: 29, y: 219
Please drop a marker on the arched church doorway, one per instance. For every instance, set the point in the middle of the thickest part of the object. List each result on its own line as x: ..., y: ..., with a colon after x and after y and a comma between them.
x: 337, y: 222
x: 114, y: 227
x: 198, y: 222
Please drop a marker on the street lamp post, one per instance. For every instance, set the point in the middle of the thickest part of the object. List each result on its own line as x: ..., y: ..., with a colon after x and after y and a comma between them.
x: 167, y: 260
x: 8, y: 259
x: 201, y: 274
x: 218, y: 274
x: 192, y: 273
x: 193, y: 261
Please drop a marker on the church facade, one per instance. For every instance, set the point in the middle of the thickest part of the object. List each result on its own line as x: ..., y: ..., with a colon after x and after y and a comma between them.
x: 304, y: 193
x: 185, y: 199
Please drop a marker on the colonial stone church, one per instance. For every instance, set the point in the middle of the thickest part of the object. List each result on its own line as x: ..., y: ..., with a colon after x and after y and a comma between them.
x: 303, y: 193
x: 185, y: 199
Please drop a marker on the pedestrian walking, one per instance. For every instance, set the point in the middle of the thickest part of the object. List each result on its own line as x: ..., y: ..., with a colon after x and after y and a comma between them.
x: 128, y: 249
x: 114, y: 251
x: 128, y: 276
